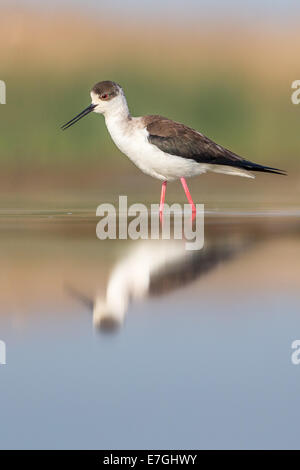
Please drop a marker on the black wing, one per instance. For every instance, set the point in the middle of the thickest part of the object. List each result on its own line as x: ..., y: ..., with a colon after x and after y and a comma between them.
x: 176, y: 139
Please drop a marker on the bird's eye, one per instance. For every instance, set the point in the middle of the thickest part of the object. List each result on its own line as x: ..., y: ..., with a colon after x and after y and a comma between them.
x: 104, y: 96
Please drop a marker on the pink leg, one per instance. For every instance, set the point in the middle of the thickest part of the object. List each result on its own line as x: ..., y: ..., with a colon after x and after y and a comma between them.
x: 189, y: 197
x: 162, y: 200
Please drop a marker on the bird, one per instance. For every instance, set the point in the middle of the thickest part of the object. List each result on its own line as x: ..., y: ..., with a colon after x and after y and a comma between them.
x: 163, y: 148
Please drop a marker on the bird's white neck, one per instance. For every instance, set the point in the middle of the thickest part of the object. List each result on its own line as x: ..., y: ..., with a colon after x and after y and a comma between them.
x: 118, y: 114
x: 119, y: 124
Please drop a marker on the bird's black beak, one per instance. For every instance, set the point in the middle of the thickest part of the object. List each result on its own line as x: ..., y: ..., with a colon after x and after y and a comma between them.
x: 77, y: 295
x: 83, y: 113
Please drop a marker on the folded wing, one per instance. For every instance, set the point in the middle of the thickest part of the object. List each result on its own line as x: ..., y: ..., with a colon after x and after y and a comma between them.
x: 177, y: 139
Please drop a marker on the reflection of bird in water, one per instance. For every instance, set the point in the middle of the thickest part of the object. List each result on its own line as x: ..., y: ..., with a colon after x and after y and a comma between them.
x: 153, y: 268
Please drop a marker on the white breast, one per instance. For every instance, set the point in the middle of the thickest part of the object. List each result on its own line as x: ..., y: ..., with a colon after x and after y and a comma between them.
x: 132, y: 139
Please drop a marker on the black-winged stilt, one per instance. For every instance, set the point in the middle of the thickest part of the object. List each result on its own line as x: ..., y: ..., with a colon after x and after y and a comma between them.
x: 160, y: 147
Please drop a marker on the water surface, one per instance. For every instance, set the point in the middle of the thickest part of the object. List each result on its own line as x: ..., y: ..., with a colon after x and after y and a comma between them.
x: 199, y: 357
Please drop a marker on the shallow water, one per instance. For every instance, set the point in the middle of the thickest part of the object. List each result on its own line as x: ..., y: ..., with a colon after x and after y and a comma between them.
x: 200, y: 356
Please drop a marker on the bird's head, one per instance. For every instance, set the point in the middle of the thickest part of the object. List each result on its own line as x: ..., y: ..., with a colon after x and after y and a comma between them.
x: 107, y: 97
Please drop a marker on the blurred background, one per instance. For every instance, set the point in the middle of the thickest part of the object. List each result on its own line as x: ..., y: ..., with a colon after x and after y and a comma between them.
x: 203, y: 359
x: 224, y: 68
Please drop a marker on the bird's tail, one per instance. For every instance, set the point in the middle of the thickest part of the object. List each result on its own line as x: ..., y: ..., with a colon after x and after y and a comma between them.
x: 265, y: 169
